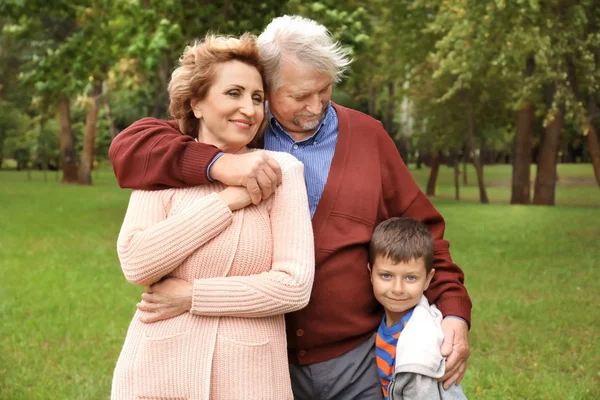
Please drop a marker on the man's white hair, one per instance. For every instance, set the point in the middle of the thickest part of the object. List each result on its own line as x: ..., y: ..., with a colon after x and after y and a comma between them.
x: 305, y: 40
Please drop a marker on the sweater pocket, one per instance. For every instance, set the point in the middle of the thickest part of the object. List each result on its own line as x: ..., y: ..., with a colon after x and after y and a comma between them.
x: 242, y: 370
x: 345, y: 231
x: 162, y: 368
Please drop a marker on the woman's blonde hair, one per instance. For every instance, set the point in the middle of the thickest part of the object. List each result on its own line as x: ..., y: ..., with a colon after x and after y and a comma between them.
x: 197, y: 69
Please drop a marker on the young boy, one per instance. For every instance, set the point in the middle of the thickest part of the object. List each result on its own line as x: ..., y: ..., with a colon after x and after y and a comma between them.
x: 410, y: 335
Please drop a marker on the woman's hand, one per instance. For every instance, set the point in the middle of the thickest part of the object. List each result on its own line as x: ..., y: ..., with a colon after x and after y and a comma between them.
x: 236, y: 197
x: 166, y: 299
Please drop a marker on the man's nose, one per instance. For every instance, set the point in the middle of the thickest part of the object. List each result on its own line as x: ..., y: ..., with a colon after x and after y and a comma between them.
x: 314, y: 105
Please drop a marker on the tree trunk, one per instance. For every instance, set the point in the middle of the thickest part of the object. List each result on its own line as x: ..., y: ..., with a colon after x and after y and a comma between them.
x: 521, y: 174
x: 389, y: 121
x: 456, y: 176
x: 593, y: 145
x: 592, y: 135
x: 1, y: 150
x: 545, y: 180
x: 373, y: 101
x: 108, y: 114
x: 162, y: 98
x: 402, y: 146
x: 465, y: 162
x: 471, y: 137
x: 89, y: 140
x: 65, y: 138
x: 226, y: 8
x: 433, y: 174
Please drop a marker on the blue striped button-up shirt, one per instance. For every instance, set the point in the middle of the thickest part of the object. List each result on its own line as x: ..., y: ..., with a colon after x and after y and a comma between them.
x: 315, y: 152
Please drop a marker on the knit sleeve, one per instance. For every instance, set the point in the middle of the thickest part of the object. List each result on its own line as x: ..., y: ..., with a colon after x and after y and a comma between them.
x: 287, y: 286
x: 152, y: 244
x: 152, y: 154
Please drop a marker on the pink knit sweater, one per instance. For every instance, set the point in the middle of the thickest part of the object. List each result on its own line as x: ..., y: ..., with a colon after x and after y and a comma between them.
x: 248, y: 267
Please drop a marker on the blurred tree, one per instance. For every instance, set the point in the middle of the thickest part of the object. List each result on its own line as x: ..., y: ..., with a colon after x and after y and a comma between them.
x: 54, y: 63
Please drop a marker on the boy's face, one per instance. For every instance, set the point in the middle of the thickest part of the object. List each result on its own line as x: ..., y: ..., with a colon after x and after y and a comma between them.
x: 398, y: 287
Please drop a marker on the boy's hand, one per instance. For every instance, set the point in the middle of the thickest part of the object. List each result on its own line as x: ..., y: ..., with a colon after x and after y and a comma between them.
x: 256, y: 171
x: 456, y: 348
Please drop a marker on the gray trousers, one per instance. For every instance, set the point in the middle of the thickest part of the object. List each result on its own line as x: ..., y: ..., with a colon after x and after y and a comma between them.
x: 352, y: 375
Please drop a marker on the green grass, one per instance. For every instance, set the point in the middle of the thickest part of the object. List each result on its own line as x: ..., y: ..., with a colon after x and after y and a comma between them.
x: 65, y: 307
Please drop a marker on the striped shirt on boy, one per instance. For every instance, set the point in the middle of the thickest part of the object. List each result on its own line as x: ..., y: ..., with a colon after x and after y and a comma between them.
x: 385, y: 352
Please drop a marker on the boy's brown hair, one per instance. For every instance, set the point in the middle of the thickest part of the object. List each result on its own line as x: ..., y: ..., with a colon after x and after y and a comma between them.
x: 401, y: 240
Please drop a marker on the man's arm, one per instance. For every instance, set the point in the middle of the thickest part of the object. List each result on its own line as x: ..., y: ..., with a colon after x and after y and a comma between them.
x: 403, y: 197
x: 152, y: 154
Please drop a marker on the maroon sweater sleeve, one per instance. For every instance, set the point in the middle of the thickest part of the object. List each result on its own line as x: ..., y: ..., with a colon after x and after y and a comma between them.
x: 403, y: 197
x: 152, y: 154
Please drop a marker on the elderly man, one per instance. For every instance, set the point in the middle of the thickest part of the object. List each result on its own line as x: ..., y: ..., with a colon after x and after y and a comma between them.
x: 355, y: 178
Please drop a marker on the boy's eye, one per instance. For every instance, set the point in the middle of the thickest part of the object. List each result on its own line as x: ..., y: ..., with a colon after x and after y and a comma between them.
x: 411, y: 278
x: 386, y: 276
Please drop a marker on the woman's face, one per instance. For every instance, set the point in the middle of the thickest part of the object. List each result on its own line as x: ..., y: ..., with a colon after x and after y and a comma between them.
x: 233, y: 108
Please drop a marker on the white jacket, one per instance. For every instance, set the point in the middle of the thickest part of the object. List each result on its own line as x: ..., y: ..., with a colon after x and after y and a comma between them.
x: 419, y: 362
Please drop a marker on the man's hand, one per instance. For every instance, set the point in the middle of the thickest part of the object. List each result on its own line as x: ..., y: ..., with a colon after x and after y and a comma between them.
x: 456, y: 348
x: 166, y: 299
x: 256, y: 171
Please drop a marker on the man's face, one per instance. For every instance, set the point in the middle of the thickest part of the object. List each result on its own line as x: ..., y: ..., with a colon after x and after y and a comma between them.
x: 300, y: 103
x: 399, y: 286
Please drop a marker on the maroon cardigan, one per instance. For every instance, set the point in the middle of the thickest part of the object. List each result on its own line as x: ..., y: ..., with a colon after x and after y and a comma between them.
x: 368, y: 182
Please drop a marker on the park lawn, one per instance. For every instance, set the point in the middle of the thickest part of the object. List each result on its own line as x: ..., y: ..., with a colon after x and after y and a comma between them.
x: 65, y: 306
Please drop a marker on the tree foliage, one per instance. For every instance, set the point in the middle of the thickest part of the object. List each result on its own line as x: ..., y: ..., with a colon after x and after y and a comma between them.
x: 414, y: 63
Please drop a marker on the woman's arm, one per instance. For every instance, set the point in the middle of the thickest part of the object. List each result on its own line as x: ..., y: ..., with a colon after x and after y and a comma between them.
x: 287, y: 286
x: 150, y: 244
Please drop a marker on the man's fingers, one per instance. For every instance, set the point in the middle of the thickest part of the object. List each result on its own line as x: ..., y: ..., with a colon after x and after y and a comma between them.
x: 148, y: 297
x: 147, y: 307
x: 149, y: 318
x: 451, y: 366
x: 273, y: 178
x: 254, y: 191
x: 159, y: 315
x: 461, y: 373
x: 265, y: 183
x: 447, y: 344
x: 455, y: 378
x: 449, y: 377
x: 275, y: 168
x: 452, y: 361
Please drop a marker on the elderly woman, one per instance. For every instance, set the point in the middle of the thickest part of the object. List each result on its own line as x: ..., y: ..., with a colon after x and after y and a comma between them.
x: 244, y: 265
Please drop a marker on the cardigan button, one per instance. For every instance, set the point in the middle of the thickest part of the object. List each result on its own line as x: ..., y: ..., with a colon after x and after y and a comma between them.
x: 302, y: 353
x: 299, y: 332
